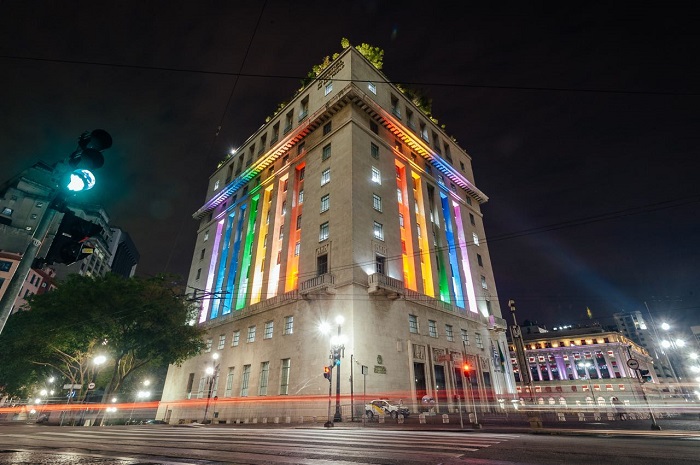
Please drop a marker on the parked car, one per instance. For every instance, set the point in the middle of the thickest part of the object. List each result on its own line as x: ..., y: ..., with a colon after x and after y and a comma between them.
x: 384, y: 407
x: 155, y: 422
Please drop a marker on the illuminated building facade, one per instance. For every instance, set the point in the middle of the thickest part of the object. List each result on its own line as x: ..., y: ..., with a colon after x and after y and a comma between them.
x: 583, y: 367
x: 348, y: 202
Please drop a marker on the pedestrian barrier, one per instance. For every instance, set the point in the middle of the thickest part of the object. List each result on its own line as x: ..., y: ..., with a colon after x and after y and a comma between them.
x: 581, y: 416
x: 561, y: 416
x: 445, y: 418
x: 421, y: 418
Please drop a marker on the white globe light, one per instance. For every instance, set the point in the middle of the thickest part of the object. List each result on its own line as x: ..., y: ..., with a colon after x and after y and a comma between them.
x: 324, y: 328
x: 339, y: 319
x: 665, y: 326
x: 680, y: 342
x: 209, y: 370
x: 99, y: 360
x: 665, y: 344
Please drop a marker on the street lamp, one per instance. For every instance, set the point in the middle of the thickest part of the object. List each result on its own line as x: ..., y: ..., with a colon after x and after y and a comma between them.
x: 337, y: 352
x: 586, y: 366
x: 674, y: 345
x: 141, y: 395
x: 212, y: 373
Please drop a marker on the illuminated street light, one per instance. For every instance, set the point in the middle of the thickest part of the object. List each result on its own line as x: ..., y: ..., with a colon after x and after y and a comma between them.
x: 212, y: 372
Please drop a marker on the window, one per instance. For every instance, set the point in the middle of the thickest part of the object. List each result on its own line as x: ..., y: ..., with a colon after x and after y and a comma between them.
x: 378, y: 231
x: 475, y: 238
x: 325, y: 202
x: 483, y: 282
x: 208, y: 345
x: 327, y: 128
x: 301, y: 173
x: 222, y: 342
x: 322, y: 264
x: 326, y: 152
x: 411, y: 121
x: 301, y: 196
x: 376, y: 175
x: 399, y: 195
x: 264, y: 375
x: 372, y: 88
x: 236, y: 338
x: 5, y: 265
x: 269, y: 325
x: 199, y: 273
x: 201, y: 254
x: 300, y: 147
x: 323, y: 232
x: 377, y: 202
x: 229, y: 382
x: 374, y: 150
x: 329, y: 88
x: 373, y: 127
x: 395, y: 107
x: 216, y: 186
x: 401, y: 220
x: 326, y: 176
x: 299, y: 222
x: 288, y: 324
x: 380, y: 264
x: 275, y: 132
x: 471, y: 219
x: 245, y: 380
x: 413, y: 324
x: 448, y: 333
x: 432, y: 328
x: 461, y: 165
x: 469, y: 200
x: 206, y: 236
x: 284, y: 377
x: 251, y: 334
x: 288, y: 121
x: 479, y: 341
x: 479, y: 260
x: 465, y: 336
x: 424, y: 132
x: 297, y: 246
x: 304, y: 110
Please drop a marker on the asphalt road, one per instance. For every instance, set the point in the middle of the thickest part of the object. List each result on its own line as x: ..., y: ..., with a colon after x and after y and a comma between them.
x: 346, y: 444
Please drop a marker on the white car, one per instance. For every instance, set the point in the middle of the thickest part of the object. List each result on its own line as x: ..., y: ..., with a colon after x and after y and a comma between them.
x: 384, y: 407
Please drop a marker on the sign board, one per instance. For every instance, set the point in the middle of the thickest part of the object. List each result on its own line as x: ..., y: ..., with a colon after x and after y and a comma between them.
x: 72, y: 386
x: 91, y: 386
x: 365, y: 369
x: 633, y: 364
x: 444, y: 358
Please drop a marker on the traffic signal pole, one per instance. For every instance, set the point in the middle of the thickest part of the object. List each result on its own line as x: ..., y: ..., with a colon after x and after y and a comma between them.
x: 25, y: 263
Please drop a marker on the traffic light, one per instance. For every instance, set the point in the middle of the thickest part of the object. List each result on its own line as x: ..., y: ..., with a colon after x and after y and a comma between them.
x: 336, y: 356
x: 466, y: 369
x: 70, y: 243
x: 328, y: 372
x: 645, y: 375
x: 86, y: 159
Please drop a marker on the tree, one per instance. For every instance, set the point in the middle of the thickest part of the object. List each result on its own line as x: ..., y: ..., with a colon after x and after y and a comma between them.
x: 133, y: 322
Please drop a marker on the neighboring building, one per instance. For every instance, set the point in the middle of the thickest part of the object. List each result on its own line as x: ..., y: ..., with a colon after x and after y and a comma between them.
x: 39, y: 280
x: 349, y: 202
x: 667, y: 366
x: 124, y: 257
x: 583, y: 366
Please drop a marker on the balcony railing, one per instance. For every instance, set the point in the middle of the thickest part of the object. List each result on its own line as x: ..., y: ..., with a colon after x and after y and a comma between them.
x: 380, y: 283
x: 321, y: 283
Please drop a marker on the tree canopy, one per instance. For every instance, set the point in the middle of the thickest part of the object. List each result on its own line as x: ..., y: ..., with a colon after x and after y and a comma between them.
x: 133, y: 322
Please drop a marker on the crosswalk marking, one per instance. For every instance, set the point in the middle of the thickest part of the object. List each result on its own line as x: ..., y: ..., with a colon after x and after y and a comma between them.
x: 275, y: 445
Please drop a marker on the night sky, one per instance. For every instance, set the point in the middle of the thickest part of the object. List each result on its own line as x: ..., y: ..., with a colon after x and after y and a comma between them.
x: 582, y: 124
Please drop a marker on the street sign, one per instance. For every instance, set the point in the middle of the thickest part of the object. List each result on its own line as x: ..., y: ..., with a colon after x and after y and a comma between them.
x: 91, y: 386
x: 633, y: 363
x: 72, y: 386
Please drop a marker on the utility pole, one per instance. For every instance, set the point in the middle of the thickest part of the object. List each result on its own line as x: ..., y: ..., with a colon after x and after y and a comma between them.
x: 517, y: 336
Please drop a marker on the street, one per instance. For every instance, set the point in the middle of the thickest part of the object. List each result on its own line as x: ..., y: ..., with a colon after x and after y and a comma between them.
x: 343, y: 445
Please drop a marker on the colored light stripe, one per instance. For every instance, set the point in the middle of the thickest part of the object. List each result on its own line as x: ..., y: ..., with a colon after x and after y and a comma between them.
x: 207, y: 301
x: 233, y: 267
x: 468, y: 281
x: 247, y: 251
x: 258, y: 272
x: 452, y: 252
x: 424, y: 245
x: 409, y: 269
x: 221, y: 273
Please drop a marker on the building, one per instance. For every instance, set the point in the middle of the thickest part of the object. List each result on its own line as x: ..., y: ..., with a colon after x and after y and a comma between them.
x: 24, y: 200
x: 124, y: 257
x: 584, y: 367
x: 348, y: 202
x: 667, y: 348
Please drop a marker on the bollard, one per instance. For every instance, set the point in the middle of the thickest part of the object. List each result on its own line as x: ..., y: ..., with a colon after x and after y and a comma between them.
x: 288, y: 419
x: 255, y: 420
x: 381, y: 418
x: 400, y: 419
x: 277, y: 419
x: 264, y: 420
x: 421, y: 418
x: 445, y: 418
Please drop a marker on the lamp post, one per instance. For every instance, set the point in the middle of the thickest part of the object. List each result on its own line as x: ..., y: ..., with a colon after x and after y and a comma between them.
x: 586, y: 367
x: 141, y: 395
x: 673, y: 345
x: 337, y: 352
x: 212, y: 373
